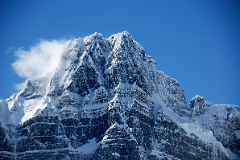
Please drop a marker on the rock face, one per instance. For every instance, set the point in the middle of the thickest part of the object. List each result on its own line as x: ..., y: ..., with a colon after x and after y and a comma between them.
x: 107, y: 100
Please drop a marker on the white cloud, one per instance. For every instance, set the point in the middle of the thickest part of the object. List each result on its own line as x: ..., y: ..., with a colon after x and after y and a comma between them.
x: 40, y: 60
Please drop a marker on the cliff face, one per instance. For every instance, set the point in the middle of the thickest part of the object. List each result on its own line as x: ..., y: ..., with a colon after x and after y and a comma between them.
x: 107, y: 100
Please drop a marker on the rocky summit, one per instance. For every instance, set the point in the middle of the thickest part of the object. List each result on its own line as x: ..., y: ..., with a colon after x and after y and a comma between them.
x: 108, y: 101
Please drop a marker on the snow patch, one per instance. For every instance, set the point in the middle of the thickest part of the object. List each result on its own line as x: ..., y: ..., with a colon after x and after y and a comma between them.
x: 116, y: 154
x: 206, y: 136
x: 161, y: 106
x: 30, y: 108
x: 4, y: 113
x: 89, y: 147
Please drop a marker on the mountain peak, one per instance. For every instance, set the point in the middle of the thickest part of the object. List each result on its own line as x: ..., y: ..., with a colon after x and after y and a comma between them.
x: 121, y: 36
x: 93, y: 37
x: 108, y: 100
x: 124, y: 33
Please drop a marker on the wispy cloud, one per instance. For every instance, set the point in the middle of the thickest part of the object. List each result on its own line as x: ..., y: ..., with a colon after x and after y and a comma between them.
x: 40, y: 60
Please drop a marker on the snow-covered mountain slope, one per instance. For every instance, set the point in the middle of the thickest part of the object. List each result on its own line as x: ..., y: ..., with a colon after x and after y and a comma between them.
x: 222, y: 119
x: 108, y: 100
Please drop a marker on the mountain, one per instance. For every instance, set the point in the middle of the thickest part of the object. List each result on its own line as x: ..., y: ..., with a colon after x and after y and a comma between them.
x: 107, y: 100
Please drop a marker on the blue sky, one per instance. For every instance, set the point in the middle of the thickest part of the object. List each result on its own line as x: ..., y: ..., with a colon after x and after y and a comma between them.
x: 195, y: 42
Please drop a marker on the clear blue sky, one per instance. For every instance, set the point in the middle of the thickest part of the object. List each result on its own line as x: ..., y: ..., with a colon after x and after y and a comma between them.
x: 196, y: 42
